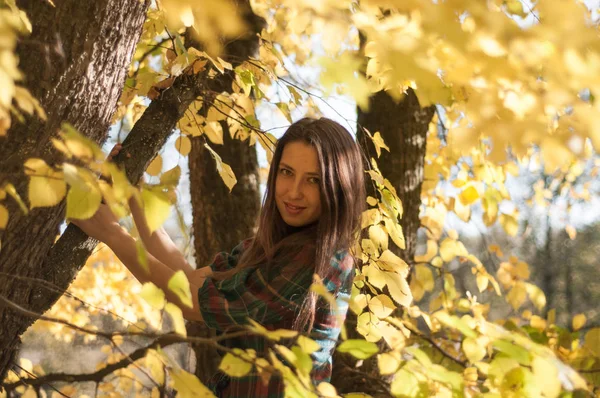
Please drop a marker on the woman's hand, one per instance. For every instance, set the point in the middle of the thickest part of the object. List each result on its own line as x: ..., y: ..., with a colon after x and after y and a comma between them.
x: 102, y: 226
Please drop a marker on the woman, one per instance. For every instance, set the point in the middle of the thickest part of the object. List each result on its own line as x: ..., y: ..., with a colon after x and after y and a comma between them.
x: 309, y: 221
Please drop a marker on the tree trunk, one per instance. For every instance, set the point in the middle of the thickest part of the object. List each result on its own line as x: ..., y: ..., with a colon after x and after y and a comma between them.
x: 221, y: 219
x: 75, y: 63
x: 403, y: 126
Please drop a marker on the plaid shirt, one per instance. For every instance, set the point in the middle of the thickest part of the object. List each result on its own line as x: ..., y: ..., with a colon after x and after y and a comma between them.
x: 226, y: 304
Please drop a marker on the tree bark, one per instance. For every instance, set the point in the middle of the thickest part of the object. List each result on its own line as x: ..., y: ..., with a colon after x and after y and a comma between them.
x: 403, y: 126
x: 75, y: 63
x: 221, y: 219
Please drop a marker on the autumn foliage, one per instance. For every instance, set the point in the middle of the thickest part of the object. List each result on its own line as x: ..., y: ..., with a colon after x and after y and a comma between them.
x: 514, y: 84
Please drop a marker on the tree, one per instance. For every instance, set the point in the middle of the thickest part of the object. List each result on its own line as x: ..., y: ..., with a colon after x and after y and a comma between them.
x: 502, y: 77
x: 68, y: 47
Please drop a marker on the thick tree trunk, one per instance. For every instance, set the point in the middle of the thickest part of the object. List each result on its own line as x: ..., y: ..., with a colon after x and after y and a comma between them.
x: 403, y: 126
x: 75, y: 63
x: 221, y: 219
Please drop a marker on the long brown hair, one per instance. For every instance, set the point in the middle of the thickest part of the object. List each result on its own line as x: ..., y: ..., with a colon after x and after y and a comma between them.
x: 342, y: 201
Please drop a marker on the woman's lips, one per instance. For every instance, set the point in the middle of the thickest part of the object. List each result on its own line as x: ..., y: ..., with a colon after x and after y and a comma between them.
x: 293, y: 210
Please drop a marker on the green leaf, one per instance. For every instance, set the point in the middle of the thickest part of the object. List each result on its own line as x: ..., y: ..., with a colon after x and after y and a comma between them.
x: 360, y: 349
x: 454, y: 322
x: 512, y: 350
x: 180, y: 285
x: 235, y: 365
x: 153, y: 295
x: 156, y: 208
x: 82, y: 204
x: 307, y: 345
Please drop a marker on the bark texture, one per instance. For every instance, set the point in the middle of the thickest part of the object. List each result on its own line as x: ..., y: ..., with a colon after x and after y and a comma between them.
x: 75, y: 63
x: 403, y: 126
x: 221, y: 219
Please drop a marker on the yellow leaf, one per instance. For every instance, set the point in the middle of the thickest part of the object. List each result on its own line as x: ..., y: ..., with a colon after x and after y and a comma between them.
x: 82, y: 204
x: 437, y: 262
x: 155, y: 167
x: 578, y: 321
x: 388, y: 363
x: 156, y: 208
x: 79, y: 145
x: 224, y: 169
x: 156, y: 366
x: 46, y: 186
x: 326, y: 390
x: 382, y: 306
x: 370, y: 217
x: 592, y: 341
x: 482, y: 281
x: 3, y: 217
x: 424, y: 276
x: 432, y: 248
x: 183, y: 145
x: 180, y: 285
x: 177, y: 317
x: 536, y: 295
x: 510, y: 224
x: 235, y: 365
x: 395, y: 232
x: 517, y: 295
x: 378, y: 236
x: 399, y: 289
x: 214, y: 132
x: 46, y: 191
x: 389, y: 261
x: 171, y: 177
x: 153, y: 295
x: 379, y: 143
x: 469, y: 195
x: 449, y: 249
x: 188, y: 385
x: 473, y: 349
x: 546, y: 376
x: 571, y: 231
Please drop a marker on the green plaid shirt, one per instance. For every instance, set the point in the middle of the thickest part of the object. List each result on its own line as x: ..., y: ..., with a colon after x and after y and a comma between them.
x: 227, y: 304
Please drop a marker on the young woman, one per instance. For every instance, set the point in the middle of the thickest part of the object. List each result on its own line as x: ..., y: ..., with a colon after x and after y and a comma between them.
x: 310, y: 219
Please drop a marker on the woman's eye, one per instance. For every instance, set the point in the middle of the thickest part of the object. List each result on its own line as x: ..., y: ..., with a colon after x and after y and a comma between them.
x: 285, y: 172
x: 313, y: 180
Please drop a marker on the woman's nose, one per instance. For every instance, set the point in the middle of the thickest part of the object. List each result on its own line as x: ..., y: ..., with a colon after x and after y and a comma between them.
x: 296, y: 190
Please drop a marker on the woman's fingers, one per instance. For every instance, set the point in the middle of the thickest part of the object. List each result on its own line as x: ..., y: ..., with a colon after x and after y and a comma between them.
x: 115, y: 151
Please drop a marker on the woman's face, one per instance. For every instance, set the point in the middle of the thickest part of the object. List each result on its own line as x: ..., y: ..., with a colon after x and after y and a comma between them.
x: 297, y: 189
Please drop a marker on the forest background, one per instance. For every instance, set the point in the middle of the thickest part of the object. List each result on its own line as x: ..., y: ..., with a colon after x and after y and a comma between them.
x: 480, y: 131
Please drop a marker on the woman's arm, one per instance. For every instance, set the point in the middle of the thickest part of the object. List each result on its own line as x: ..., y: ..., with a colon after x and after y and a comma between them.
x: 105, y: 227
x: 159, y: 243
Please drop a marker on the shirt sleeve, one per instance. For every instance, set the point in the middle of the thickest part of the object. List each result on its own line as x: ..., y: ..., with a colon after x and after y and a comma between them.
x: 329, y: 320
x: 249, y: 294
